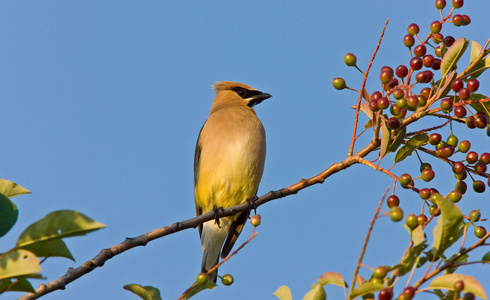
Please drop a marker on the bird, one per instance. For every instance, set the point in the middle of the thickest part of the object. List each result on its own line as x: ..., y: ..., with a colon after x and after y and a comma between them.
x: 228, y: 165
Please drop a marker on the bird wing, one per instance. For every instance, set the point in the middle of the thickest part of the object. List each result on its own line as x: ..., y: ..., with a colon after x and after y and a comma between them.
x: 197, y: 157
x: 234, y: 232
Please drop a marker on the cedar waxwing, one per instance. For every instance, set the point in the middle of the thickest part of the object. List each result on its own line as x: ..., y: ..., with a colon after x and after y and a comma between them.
x: 228, y: 166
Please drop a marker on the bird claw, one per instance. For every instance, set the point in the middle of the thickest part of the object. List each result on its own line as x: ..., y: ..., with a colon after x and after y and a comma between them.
x: 216, y: 215
x: 251, y: 202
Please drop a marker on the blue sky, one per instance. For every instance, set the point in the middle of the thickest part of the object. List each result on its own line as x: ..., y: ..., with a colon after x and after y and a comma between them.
x: 103, y: 100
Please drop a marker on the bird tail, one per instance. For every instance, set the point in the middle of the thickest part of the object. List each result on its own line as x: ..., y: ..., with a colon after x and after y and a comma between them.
x: 212, y: 239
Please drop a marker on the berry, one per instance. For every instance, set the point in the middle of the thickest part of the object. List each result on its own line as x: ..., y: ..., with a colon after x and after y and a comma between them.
x: 485, y: 158
x: 464, y: 146
x: 480, y: 168
x: 412, y: 221
x: 474, y: 216
x: 457, y: 84
x: 416, y: 63
x: 446, y: 104
x: 339, y: 83
x: 435, y: 139
x: 255, y: 220
x: 413, y: 29
x: 396, y: 214
x: 459, y: 286
x: 422, y: 100
x: 373, y: 105
x: 392, y: 201
x: 408, y: 41
x: 424, y: 193
x: 401, y: 71
x: 461, y: 187
x: 428, y: 61
x: 467, y: 20
x: 455, y: 196
x: 386, y: 294
x: 376, y: 95
x: 437, y: 38
x: 412, y: 102
x: 421, y: 219
x: 426, y: 92
x: 460, y: 111
x: 458, y: 3
x: 452, y: 140
x: 469, y: 296
x: 440, y: 4
x: 393, y: 123
x: 447, y: 151
x: 449, y: 41
x: 427, y: 175
x: 470, y: 122
x: 398, y: 93
x: 472, y: 157
x: 479, y: 186
x: 408, y: 293
x: 481, y: 121
x: 464, y: 94
x: 383, y: 103
x: 480, y: 232
x: 435, y: 27
x: 461, y: 176
x: 385, y: 77
x: 202, y: 279
x: 227, y: 279
x: 405, y: 179
x: 380, y: 272
x: 437, y: 64
x: 433, y: 210
x: 420, y: 50
x: 401, y: 103
x: 458, y: 20
x: 350, y: 59
x: 458, y: 167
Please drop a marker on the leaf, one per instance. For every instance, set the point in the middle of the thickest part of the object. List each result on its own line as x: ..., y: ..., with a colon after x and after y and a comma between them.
x: 398, y: 140
x: 364, y: 107
x: 316, y: 293
x: 443, y: 85
x: 20, y: 285
x: 283, y: 293
x: 145, y: 292
x: 480, y: 107
x: 411, y: 145
x: 368, y: 124
x: 460, y: 260
x: 411, y: 257
x: 385, y: 139
x: 8, y: 215
x: 449, y: 226
x: 198, y: 288
x: 475, y: 51
x: 19, y: 263
x: 58, y: 224
x: 453, y: 55
x: 482, y: 65
x: 366, y: 288
x: 12, y: 189
x: 471, y: 285
x: 52, y: 247
x: 486, y: 258
x: 416, y: 234
x: 366, y: 95
x: 332, y: 278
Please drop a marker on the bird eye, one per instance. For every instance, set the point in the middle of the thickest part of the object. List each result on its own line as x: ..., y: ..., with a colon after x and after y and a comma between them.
x: 241, y: 92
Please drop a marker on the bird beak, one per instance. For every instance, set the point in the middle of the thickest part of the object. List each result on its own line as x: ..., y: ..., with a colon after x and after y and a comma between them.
x: 256, y: 99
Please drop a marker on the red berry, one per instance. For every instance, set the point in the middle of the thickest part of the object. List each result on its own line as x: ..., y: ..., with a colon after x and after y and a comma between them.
x: 373, y: 105
x: 408, y: 41
x: 393, y: 123
x: 437, y: 64
x: 376, y: 95
x: 485, y: 158
x: 437, y: 37
x: 464, y: 146
x: 458, y: 3
x: 458, y: 167
x: 460, y: 111
x: 435, y: 139
x: 428, y: 61
x: 426, y: 92
x: 440, y: 4
x: 401, y: 71
x: 392, y: 201
x: 446, y: 104
x: 458, y: 20
x: 383, y: 103
x: 464, y: 94
x: 467, y: 20
x: 427, y: 175
x: 457, y: 84
x: 470, y: 122
x: 385, y: 77
x: 413, y: 29
x: 424, y: 193
x: 449, y: 41
x: 416, y: 63
x: 481, y: 121
x: 472, y: 157
x: 480, y: 167
x: 473, y: 84
x: 420, y: 50
x: 435, y: 27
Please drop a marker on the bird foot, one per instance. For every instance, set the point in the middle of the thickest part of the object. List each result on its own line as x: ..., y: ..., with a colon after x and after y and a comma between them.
x: 216, y: 215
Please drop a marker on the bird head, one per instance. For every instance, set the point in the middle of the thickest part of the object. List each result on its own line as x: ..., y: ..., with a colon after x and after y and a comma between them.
x: 230, y: 93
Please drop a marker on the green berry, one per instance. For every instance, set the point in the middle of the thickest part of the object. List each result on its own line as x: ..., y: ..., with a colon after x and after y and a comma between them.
x: 227, y: 279
x: 412, y: 221
x: 339, y: 83
x: 396, y: 214
x: 202, y: 279
x: 480, y: 232
x: 350, y: 59
x: 255, y: 220
x: 475, y: 216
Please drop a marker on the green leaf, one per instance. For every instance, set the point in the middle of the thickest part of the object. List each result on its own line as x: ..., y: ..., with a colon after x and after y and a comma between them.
x: 56, y: 225
x: 480, y: 107
x: 460, y: 260
x: 411, y: 257
x: 332, y: 278
x: 385, y: 139
x: 471, y: 285
x: 366, y: 288
x: 475, y: 51
x: 19, y: 263
x: 368, y: 124
x: 416, y: 234
x: 145, y: 292
x: 453, y: 55
x: 20, y: 285
x: 443, y: 85
x: 486, y: 258
x: 482, y: 65
x: 449, y: 226
x: 52, y: 247
x: 316, y: 293
x: 398, y: 140
x: 12, y: 189
x: 8, y: 215
x: 283, y: 293
x: 411, y: 145
x: 198, y: 288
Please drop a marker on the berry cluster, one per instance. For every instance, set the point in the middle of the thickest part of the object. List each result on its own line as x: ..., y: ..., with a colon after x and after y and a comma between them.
x: 412, y: 91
